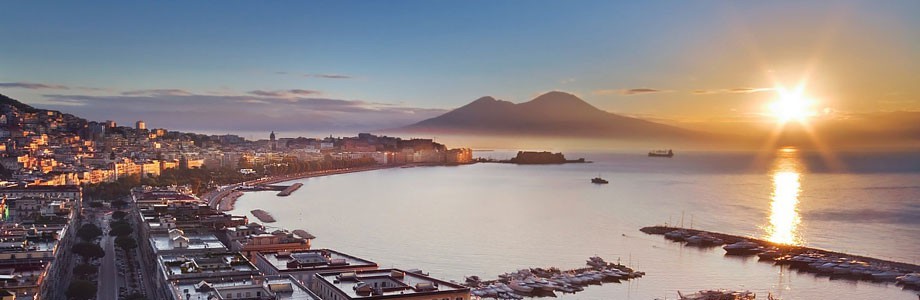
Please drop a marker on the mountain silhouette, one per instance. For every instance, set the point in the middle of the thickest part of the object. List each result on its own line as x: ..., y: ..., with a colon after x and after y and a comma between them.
x: 551, y: 114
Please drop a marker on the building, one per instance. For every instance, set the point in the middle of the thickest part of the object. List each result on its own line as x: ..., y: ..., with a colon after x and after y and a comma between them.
x: 386, y: 284
x: 259, y: 288
x: 71, y: 192
x: 302, y: 265
x: 140, y: 125
x: 252, y: 238
x: 200, y: 267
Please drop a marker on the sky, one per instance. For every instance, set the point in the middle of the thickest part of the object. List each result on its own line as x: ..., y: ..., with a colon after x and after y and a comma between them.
x: 339, y: 66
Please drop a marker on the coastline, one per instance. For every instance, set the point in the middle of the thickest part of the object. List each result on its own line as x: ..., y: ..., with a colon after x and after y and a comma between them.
x: 224, y: 198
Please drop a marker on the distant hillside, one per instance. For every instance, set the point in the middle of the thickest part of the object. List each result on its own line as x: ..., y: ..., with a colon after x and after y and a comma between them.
x: 550, y: 114
x: 18, y: 105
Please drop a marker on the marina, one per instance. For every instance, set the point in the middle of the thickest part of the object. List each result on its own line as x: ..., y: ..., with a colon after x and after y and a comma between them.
x: 811, y: 260
x: 540, y: 282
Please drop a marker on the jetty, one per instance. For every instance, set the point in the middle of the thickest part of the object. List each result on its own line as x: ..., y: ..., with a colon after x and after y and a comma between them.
x: 263, y: 216
x: 806, y: 259
x: 287, y: 191
x: 545, y: 282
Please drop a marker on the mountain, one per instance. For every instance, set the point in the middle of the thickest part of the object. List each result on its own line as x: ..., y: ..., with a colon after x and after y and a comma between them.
x: 551, y: 114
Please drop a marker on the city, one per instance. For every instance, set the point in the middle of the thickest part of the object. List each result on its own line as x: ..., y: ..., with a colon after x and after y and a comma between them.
x: 459, y: 150
x: 81, y: 217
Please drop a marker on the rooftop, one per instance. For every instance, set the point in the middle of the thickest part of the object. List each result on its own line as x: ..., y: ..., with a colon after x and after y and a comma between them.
x: 193, y: 241
x: 206, y: 265
x: 374, y: 284
x: 314, y: 260
x: 282, y: 287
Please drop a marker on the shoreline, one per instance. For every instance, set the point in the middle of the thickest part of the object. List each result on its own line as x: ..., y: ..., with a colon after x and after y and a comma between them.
x: 224, y: 199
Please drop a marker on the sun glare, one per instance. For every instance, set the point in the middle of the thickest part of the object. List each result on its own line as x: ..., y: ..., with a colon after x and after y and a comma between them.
x: 792, y: 106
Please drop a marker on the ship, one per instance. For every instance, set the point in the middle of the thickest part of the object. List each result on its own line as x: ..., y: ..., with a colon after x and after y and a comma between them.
x: 599, y: 180
x: 661, y: 153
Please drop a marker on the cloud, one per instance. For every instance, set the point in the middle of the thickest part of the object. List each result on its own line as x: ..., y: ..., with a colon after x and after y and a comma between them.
x: 284, y: 93
x: 742, y: 90
x: 33, y: 86
x: 332, y: 76
x: 157, y: 92
x: 628, y: 92
x: 260, y: 110
x: 314, y: 75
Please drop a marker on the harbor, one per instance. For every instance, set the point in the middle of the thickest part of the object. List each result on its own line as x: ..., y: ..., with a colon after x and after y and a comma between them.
x: 816, y: 261
x: 546, y: 282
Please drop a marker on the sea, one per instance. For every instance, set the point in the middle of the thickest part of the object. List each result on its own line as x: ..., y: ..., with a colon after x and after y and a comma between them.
x: 486, y: 219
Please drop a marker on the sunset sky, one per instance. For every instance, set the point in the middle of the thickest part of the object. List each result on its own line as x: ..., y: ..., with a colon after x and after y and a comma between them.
x: 293, y: 66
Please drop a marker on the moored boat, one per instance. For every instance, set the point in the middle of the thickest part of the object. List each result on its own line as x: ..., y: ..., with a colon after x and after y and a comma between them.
x: 743, y: 248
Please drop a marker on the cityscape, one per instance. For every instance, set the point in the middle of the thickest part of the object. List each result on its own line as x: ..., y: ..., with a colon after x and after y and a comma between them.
x: 460, y: 150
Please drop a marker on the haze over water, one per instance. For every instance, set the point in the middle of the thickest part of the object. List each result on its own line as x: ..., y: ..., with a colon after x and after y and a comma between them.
x: 487, y: 219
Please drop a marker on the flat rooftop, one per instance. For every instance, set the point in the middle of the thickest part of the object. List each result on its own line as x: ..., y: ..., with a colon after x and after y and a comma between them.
x: 318, y: 260
x: 207, y: 265
x: 382, y: 283
x: 282, y: 287
x: 196, y: 241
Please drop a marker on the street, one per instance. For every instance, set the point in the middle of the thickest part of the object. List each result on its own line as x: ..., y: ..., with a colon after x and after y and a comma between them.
x: 108, y: 271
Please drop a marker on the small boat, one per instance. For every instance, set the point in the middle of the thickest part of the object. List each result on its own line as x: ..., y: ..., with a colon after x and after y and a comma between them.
x: 912, y: 279
x: 743, y: 248
x: 519, y: 286
x: 887, y: 275
x: 661, y: 153
x: 599, y: 180
x: 718, y: 295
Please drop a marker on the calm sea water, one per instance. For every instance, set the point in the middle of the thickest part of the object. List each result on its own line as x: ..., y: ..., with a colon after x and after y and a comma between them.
x: 487, y: 219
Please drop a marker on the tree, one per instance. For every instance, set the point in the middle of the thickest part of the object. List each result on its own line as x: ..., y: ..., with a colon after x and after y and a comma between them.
x: 81, y: 290
x: 85, y: 270
x: 125, y: 242
x: 119, y: 203
x: 120, y: 228
x: 136, y: 296
x: 88, y: 250
x: 119, y: 215
x: 89, y: 232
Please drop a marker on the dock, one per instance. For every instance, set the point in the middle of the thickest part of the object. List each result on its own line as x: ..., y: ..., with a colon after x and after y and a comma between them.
x: 819, y: 262
x: 545, y: 282
x: 287, y: 191
x: 263, y: 216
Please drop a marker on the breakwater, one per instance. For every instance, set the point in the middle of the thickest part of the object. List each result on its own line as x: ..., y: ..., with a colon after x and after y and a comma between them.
x: 807, y: 259
x: 288, y: 190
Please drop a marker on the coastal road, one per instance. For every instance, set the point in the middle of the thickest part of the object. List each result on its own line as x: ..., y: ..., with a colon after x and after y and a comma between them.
x: 108, y: 271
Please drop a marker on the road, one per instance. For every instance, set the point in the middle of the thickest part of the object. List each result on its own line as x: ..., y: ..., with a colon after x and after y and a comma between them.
x: 108, y: 271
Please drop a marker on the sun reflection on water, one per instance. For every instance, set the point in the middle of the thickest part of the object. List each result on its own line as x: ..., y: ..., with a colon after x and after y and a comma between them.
x: 784, y: 214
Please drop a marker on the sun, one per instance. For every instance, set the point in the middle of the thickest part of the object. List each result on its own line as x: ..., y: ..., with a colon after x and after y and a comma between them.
x: 792, y: 106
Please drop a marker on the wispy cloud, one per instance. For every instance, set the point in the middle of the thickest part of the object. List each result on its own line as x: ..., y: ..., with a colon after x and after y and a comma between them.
x: 741, y: 90
x: 331, y: 76
x: 284, y: 93
x: 628, y: 92
x: 316, y: 75
x: 33, y: 86
x: 157, y: 92
x: 293, y: 110
x: 47, y: 86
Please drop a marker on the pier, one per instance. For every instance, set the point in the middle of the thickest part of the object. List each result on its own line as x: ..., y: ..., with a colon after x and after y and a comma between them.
x: 807, y: 259
x: 540, y: 282
x: 287, y: 191
x: 263, y: 216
